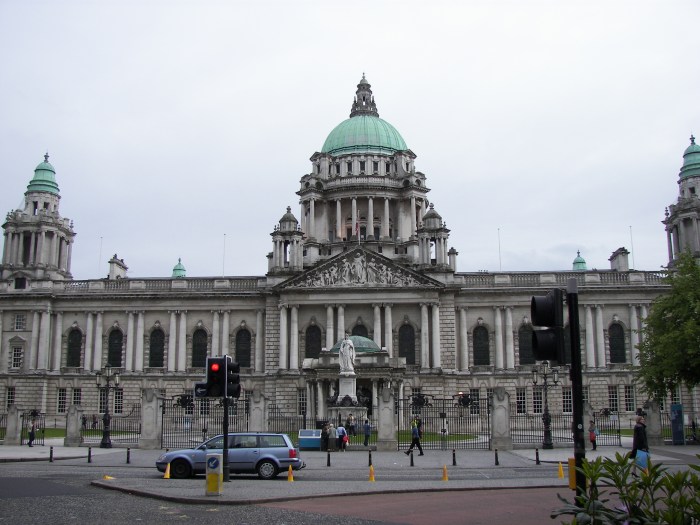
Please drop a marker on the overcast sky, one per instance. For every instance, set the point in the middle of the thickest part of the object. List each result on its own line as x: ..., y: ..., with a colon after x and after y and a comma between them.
x: 178, y: 128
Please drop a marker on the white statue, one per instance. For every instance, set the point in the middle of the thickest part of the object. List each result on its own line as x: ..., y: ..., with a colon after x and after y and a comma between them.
x: 347, y: 355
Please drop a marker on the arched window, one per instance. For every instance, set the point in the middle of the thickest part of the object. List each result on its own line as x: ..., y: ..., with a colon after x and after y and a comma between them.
x: 313, y: 342
x: 616, y: 335
x: 114, y: 348
x: 199, y: 349
x: 481, y: 346
x: 156, y: 349
x: 407, y: 344
x: 75, y: 344
x: 243, y: 352
x: 359, y: 329
x: 525, y: 345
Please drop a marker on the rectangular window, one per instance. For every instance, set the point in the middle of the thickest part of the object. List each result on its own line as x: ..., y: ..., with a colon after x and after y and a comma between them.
x: 204, y: 407
x: 520, y: 400
x: 362, y: 166
x: 537, y: 400
x: 349, y: 165
x: 16, y: 357
x: 77, y: 396
x: 613, y: 401
x: 388, y: 168
x: 567, y: 400
x: 375, y: 167
x: 20, y: 322
x: 629, y: 398
x: 676, y: 396
x: 301, y: 401
x: 119, y: 401
x: 337, y: 168
x: 10, y: 398
x: 62, y: 401
x: 103, y: 401
x: 584, y: 392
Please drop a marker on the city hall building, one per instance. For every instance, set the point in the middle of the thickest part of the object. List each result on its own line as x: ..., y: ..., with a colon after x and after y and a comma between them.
x: 367, y: 254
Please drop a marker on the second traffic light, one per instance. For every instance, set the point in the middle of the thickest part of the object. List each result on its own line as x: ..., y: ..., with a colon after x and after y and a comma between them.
x: 233, y: 379
x: 216, y: 376
x: 547, y: 313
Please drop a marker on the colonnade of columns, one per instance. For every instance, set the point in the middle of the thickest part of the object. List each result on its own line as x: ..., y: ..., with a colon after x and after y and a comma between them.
x: 682, y: 236
x: 441, y: 249
x: 46, y: 248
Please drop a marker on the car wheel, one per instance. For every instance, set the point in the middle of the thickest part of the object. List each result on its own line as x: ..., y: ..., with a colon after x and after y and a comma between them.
x: 267, y: 470
x: 180, y: 469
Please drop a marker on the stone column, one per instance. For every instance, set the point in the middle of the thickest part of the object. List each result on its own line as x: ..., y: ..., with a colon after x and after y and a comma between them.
x: 388, y: 330
x: 600, y: 336
x: 138, y: 358
x: 510, y: 345
x: 498, y: 336
x: 385, y: 219
x: 87, y: 362
x: 634, y: 334
x: 312, y: 219
x: 437, y: 358
x: 283, y: 337
x: 182, y: 343
x: 338, y: 219
x: 590, y: 338
x: 353, y: 234
x: 377, y: 334
x: 294, y: 339
x: 215, y: 330
x: 97, y: 351
x: 30, y: 363
x: 370, y: 218
x: 172, y: 340
x: 225, y: 330
x: 259, y: 340
x: 258, y: 409
x: 500, y: 420
x: 44, y: 339
x: 644, y: 313
x: 57, y: 338
x: 151, y: 420
x: 424, y: 337
x: 330, y: 340
x: 73, y: 424
x: 341, y: 321
x: 463, y: 340
x: 413, y: 216
x: 32, y: 254
x: 321, y: 400
x: 386, y: 428
x: 130, y: 342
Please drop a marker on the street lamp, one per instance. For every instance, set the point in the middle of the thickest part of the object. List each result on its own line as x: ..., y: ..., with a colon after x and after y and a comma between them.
x: 550, y: 378
x: 108, y: 377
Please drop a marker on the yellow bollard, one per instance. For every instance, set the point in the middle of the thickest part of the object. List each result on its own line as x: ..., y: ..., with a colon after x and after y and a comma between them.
x: 107, y: 477
x: 371, y: 473
x: 167, y: 472
x: 561, y: 470
x: 290, y: 476
x: 444, y: 473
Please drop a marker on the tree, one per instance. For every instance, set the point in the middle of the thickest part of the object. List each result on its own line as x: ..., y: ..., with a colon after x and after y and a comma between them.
x: 669, y: 354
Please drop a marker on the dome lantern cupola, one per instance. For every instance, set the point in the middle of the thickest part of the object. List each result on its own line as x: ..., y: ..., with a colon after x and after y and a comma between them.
x: 179, y: 271
x: 364, y: 100
x: 579, y: 263
x: 44, y: 178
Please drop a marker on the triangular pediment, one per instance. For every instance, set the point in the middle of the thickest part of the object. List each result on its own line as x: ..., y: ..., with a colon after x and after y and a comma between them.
x: 360, y: 268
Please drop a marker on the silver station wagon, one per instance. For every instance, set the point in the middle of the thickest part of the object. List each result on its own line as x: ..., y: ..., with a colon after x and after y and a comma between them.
x: 266, y: 454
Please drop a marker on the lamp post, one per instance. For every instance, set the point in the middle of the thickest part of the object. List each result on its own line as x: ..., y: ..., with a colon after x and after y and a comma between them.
x: 109, y: 378
x: 550, y: 378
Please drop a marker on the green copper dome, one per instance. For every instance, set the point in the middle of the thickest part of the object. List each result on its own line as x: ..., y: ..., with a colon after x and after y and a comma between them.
x: 579, y: 263
x: 44, y: 178
x: 691, y: 160
x: 362, y: 345
x: 364, y: 131
x: 179, y: 270
x: 364, y: 134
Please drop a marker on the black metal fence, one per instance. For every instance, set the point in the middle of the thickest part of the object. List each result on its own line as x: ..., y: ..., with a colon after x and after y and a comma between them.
x: 529, y: 427
x: 287, y: 423
x: 690, y: 427
x: 445, y: 423
x: 3, y: 426
x: 187, y: 421
x: 608, y: 425
x: 124, y: 430
x: 33, y: 420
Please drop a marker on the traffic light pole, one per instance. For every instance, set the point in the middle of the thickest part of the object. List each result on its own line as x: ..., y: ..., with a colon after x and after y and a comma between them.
x: 576, y: 386
x: 226, y: 471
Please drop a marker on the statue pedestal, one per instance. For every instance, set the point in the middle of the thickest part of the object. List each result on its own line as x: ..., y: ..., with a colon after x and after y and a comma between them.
x: 347, y: 386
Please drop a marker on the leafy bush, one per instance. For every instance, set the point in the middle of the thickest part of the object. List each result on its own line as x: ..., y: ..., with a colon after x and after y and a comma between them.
x: 614, y: 495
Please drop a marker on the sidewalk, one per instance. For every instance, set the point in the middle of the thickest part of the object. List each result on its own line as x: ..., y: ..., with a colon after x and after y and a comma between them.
x: 348, y: 474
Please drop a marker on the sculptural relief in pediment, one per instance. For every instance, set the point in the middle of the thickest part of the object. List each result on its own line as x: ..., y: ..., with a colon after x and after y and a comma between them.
x: 358, y: 268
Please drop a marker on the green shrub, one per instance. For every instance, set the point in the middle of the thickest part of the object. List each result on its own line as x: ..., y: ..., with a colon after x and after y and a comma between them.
x: 614, y: 496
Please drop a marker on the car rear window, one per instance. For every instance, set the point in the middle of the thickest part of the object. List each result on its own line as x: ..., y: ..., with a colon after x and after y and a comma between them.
x: 273, y: 441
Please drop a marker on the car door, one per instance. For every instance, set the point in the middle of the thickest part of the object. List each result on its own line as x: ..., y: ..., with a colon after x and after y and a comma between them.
x: 213, y: 446
x: 243, y: 453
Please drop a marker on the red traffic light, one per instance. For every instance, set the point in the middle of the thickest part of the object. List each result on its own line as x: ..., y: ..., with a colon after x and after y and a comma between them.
x: 214, y: 367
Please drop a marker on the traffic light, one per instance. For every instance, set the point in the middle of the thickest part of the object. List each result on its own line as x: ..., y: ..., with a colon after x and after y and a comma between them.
x: 216, y: 376
x: 233, y: 379
x: 547, y: 313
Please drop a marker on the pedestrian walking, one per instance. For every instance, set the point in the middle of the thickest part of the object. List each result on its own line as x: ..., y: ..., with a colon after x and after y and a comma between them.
x: 342, y: 437
x: 592, y: 434
x: 324, y: 437
x: 350, y: 425
x: 332, y: 436
x: 32, y: 434
x: 367, y: 428
x: 640, y: 446
x: 94, y: 421
x: 83, y: 422
x: 415, y: 438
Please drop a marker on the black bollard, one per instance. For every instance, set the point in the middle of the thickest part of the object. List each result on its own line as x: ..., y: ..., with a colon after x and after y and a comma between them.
x: 411, y: 454
x: 454, y: 458
x: 370, y: 459
x: 128, y: 456
x: 89, y: 454
x: 496, y: 457
x: 51, y: 455
x: 328, y: 459
x: 537, y: 456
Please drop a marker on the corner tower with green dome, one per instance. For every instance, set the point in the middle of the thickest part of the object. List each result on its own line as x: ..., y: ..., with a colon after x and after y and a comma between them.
x: 38, y: 241
x: 681, y: 220
x: 363, y: 188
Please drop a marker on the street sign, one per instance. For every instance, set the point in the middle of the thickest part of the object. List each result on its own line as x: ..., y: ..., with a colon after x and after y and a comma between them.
x: 200, y: 390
